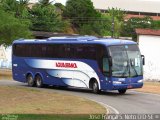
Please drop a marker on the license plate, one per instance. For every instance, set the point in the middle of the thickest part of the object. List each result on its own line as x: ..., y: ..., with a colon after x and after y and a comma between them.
x: 129, y: 86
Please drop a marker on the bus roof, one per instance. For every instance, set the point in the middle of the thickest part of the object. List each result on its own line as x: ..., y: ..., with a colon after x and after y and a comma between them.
x: 76, y: 40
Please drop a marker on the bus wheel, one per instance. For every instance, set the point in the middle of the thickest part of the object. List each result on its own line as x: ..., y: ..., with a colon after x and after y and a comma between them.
x: 123, y: 91
x: 39, y: 82
x: 95, y: 87
x: 30, y: 80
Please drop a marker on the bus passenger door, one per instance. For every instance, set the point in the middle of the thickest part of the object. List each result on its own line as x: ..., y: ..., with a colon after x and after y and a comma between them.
x: 107, y: 72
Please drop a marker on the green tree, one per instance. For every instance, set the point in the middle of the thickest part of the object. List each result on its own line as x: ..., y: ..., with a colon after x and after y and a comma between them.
x: 116, y: 17
x: 99, y: 27
x: 45, y: 18
x: 85, y: 19
x: 156, y: 24
x: 80, y: 12
x: 59, y: 8
x: 44, y: 2
x: 18, y: 8
x: 12, y: 28
x: 9, y: 6
x: 136, y: 22
x: 23, y: 10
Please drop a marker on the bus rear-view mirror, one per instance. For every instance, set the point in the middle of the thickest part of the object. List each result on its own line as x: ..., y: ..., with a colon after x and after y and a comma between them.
x: 143, y: 59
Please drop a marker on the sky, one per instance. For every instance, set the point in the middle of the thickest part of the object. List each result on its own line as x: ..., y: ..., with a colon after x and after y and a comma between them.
x: 64, y: 1
x: 59, y: 1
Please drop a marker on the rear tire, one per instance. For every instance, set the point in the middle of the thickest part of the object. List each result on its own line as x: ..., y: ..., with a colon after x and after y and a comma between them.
x: 95, y: 87
x: 30, y: 80
x: 123, y: 91
x: 39, y: 82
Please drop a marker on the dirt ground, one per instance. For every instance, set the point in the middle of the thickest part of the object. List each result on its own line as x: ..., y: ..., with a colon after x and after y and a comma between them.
x: 150, y: 87
x: 5, y: 74
x: 18, y: 100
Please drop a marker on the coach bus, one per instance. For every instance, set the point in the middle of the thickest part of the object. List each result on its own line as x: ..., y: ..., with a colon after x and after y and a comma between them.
x: 86, y: 62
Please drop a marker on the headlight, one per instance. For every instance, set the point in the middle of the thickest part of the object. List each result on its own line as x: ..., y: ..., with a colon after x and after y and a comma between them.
x: 117, y: 82
x: 140, y: 81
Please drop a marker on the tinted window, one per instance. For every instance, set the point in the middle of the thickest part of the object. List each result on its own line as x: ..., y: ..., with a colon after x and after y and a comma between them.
x: 19, y: 50
x: 101, y: 53
x: 78, y: 51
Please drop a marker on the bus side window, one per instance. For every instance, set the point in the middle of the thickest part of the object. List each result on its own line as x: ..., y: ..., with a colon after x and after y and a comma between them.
x: 67, y: 51
x: 14, y: 50
x: 79, y: 52
x: 20, y: 50
x: 99, y: 55
x: 72, y: 51
x: 105, y: 65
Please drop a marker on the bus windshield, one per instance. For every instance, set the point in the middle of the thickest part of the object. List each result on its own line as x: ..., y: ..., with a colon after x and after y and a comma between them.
x: 126, y: 61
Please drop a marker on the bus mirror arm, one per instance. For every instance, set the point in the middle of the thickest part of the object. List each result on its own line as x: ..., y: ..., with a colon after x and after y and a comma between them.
x: 143, y: 59
x: 110, y: 64
x: 110, y: 60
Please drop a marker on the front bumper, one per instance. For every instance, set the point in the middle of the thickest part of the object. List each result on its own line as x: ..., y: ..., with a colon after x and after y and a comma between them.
x: 127, y: 86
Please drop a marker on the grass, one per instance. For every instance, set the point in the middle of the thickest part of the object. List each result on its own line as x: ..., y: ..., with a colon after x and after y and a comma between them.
x: 18, y: 100
x: 44, y: 117
x: 150, y: 87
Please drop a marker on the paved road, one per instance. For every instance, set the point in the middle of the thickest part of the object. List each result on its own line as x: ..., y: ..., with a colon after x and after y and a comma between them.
x: 131, y: 102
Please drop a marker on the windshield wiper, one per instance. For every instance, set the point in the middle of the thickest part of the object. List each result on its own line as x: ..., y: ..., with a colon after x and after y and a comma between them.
x: 134, y: 69
x: 126, y: 69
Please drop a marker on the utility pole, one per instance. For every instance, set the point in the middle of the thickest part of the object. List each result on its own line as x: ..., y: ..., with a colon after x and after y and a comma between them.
x: 112, y: 23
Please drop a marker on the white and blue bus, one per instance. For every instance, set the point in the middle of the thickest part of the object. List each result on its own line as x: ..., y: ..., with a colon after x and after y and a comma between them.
x: 86, y: 62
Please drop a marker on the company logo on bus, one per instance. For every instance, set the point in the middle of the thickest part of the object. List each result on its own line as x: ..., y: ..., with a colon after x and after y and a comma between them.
x: 66, y: 65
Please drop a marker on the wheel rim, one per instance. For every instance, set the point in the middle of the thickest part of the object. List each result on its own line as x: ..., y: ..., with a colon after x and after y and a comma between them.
x: 95, y: 87
x: 38, y: 81
x: 30, y: 80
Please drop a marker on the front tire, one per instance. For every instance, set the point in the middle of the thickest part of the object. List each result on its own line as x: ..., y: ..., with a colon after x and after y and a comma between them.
x: 95, y: 87
x: 39, y: 82
x: 123, y: 91
x: 30, y: 81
